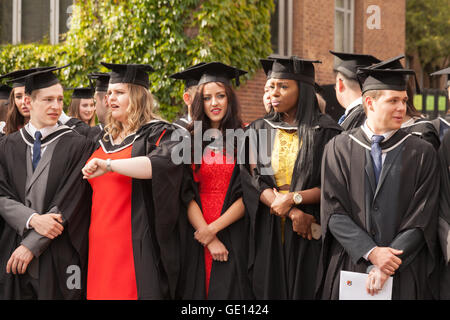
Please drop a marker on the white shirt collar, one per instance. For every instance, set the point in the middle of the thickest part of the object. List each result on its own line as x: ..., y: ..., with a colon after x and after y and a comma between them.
x: 352, y: 105
x: 369, y: 133
x: 44, y: 131
x: 63, y: 118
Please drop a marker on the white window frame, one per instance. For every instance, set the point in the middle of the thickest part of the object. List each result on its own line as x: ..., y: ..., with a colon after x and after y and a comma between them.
x: 17, y: 22
x: 349, y: 28
x: 285, y: 26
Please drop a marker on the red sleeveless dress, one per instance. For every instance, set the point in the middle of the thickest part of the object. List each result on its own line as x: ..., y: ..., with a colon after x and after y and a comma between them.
x: 111, y: 273
x: 213, y: 178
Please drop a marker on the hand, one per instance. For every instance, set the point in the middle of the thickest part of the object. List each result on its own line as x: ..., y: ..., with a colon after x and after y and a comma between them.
x: 94, y: 168
x: 375, y: 281
x: 206, y: 234
x: 19, y: 260
x: 301, y: 223
x: 47, y: 225
x: 386, y: 259
x: 217, y: 249
x: 282, y: 203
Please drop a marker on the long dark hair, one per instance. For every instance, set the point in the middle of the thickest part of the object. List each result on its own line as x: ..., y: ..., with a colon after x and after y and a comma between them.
x: 307, y: 117
x: 14, y: 119
x: 231, y: 120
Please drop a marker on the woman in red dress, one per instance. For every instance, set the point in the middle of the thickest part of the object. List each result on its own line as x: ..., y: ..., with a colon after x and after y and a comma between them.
x: 132, y: 236
x: 217, y: 211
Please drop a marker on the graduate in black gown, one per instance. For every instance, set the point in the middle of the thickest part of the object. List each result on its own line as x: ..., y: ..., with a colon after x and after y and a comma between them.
x: 348, y: 92
x: 44, y: 206
x: 217, y: 210
x: 443, y: 123
x: 379, y: 198
x: 281, y: 183
x: 158, y: 221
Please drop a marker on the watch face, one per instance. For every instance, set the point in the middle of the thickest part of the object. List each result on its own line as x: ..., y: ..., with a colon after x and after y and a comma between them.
x: 298, y: 198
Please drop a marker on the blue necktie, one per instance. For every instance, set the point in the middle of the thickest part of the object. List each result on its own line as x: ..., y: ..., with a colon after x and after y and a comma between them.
x: 341, y: 119
x: 36, y: 149
x: 376, y: 155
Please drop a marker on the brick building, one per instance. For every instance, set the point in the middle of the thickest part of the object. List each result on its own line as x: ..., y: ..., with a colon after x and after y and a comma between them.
x: 310, y: 28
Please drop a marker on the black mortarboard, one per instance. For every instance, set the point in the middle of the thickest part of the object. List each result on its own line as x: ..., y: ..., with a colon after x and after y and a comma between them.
x: 293, y: 68
x: 391, y: 63
x: 101, y: 80
x: 129, y: 73
x: 394, y: 64
x: 5, y: 91
x: 82, y: 93
x: 215, y: 72
x: 17, y: 77
x: 41, y: 79
x: 187, y: 76
x: 383, y: 79
x: 445, y: 71
x: 350, y: 62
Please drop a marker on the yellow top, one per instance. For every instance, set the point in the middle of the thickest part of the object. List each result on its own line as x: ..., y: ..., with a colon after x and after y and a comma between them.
x: 284, y: 154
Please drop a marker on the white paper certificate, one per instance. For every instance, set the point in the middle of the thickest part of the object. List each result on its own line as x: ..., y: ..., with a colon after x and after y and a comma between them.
x: 352, y: 286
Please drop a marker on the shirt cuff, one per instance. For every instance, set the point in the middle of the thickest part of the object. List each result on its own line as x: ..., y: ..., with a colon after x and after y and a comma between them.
x: 366, y: 256
x: 28, y: 221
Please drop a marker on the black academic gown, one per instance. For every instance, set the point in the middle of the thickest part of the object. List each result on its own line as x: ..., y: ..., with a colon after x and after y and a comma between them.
x: 442, y: 124
x: 92, y: 133
x: 280, y: 271
x: 444, y: 209
x: 424, y: 129
x: 155, y: 213
x: 182, y: 122
x: 228, y: 280
x: 65, y: 189
x: 355, y: 118
x: 400, y: 212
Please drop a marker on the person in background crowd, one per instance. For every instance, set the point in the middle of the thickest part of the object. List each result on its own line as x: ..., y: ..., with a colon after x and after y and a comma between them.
x: 348, y: 92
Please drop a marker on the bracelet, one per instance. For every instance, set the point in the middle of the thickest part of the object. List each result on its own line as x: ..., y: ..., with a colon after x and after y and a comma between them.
x: 108, y: 165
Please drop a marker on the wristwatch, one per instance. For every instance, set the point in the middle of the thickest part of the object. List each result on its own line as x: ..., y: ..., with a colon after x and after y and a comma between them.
x: 297, y: 198
x: 108, y: 165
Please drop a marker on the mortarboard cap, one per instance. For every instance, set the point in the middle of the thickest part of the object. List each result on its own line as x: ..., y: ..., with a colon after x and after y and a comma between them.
x: 101, y: 80
x: 383, y: 79
x: 293, y: 68
x: 41, y: 79
x: 391, y: 63
x: 82, y: 93
x: 129, y: 73
x: 445, y: 71
x: 17, y: 77
x: 350, y: 62
x: 187, y: 76
x: 214, y: 72
x: 5, y: 91
x: 394, y: 64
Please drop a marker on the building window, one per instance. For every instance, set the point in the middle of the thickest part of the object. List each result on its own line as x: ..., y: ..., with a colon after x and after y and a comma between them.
x: 281, y: 27
x: 25, y: 21
x: 343, y: 25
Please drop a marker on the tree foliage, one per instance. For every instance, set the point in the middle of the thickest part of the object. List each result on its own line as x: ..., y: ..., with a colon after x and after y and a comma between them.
x: 170, y: 35
x: 428, y: 32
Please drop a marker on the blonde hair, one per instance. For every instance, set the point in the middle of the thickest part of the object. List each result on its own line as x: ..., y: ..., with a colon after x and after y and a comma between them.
x: 74, y: 111
x: 140, y: 111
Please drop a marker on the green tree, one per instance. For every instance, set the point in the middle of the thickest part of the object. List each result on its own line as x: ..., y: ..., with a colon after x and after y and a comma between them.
x: 428, y: 32
x: 170, y: 35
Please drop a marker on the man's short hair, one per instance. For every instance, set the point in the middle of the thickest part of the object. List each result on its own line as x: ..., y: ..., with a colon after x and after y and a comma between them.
x: 374, y: 94
x: 352, y: 84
